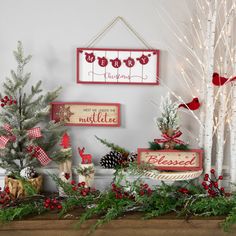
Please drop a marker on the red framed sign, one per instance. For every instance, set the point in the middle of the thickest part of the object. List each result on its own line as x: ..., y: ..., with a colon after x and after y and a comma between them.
x: 172, y: 159
x: 118, y: 66
x: 86, y: 114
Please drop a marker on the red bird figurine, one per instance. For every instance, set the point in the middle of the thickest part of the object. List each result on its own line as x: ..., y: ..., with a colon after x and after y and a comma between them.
x: 193, y: 105
x: 218, y: 80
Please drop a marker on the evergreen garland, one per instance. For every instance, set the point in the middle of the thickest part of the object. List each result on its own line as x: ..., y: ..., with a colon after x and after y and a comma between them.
x: 184, y: 199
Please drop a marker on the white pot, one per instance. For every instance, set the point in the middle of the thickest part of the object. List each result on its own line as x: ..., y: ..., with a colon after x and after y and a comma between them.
x: 64, y: 168
x: 89, y: 179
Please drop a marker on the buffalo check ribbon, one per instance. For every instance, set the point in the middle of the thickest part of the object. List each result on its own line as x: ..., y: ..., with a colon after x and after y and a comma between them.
x: 40, y: 154
x: 5, y: 139
x: 167, y: 138
x: 35, y: 151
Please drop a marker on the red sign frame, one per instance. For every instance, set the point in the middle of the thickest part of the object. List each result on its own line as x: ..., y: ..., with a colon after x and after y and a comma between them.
x: 116, y: 105
x: 173, y: 167
x: 154, y: 51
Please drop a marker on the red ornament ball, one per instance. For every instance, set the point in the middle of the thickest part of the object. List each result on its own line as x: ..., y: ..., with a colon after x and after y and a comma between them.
x: 143, y: 59
x: 129, y: 62
x: 89, y: 57
x: 212, y: 171
x: 116, y: 63
x: 102, y: 61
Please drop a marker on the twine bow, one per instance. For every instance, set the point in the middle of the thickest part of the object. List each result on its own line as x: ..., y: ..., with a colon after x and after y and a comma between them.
x: 167, y: 138
x: 35, y: 151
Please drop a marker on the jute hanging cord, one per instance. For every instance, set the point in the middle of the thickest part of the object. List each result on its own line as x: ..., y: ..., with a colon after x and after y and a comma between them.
x: 109, y: 27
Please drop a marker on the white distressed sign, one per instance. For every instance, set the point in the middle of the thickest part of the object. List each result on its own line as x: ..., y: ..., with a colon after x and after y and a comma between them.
x: 118, y: 66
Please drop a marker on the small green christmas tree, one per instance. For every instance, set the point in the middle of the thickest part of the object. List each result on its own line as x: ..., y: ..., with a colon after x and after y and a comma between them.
x: 26, y: 140
x: 168, y: 122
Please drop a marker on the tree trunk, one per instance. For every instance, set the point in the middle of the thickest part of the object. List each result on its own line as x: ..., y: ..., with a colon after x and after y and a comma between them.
x: 209, y: 99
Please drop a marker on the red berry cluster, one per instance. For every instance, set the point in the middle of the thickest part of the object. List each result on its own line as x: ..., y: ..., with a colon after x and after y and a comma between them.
x: 81, y: 188
x: 183, y: 191
x: 7, y: 101
x: 145, y: 190
x: 120, y: 193
x: 52, y: 204
x: 211, y: 185
x: 4, y: 196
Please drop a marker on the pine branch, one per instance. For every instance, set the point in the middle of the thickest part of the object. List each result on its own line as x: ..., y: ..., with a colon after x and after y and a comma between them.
x: 154, y: 146
x: 113, y: 146
x: 15, y: 213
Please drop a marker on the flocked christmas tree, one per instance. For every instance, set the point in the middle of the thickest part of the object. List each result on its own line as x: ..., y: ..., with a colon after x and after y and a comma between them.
x: 25, y: 139
x: 168, y: 124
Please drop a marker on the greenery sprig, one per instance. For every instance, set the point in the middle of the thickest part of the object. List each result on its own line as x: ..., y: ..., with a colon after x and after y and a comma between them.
x: 113, y: 146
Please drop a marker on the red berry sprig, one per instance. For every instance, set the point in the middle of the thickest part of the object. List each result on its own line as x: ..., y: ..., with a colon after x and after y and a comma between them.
x: 183, y: 191
x: 145, y: 190
x: 4, y: 196
x: 81, y: 188
x: 120, y: 193
x: 6, y: 101
x: 52, y: 204
x: 211, y: 185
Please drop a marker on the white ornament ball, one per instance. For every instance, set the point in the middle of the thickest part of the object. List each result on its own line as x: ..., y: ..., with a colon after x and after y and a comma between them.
x: 28, y: 172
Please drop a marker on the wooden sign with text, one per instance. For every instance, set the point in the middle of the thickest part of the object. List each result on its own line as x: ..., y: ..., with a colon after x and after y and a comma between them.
x: 86, y: 114
x: 117, y: 66
x: 177, y: 160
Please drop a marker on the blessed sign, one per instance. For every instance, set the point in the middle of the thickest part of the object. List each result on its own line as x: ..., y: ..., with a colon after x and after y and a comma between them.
x: 172, y: 159
x: 118, y: 66
x: 86, y: 114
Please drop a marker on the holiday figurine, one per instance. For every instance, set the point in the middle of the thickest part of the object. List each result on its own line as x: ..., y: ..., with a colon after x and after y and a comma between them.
x: 86, y: 169
x: 218, y: 80
x: 193, y: 105
x: 65, y: 171
x: 86, y: 158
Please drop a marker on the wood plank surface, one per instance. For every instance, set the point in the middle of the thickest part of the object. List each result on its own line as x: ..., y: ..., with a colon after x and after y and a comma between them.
x: 130, y: 225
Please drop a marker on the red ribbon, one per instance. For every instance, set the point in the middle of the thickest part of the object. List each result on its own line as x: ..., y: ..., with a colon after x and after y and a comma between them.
x: 40, y: 154
x: 35, y: 151
x: 168, y: 138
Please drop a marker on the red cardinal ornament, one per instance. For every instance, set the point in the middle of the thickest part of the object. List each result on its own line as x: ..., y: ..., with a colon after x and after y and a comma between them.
x: 193, y: 105
x: 102, y: 61
x: 218, y: 80
x: 116, y: 63
x: 129, y: 62
x: 143, y: 59
x: 89, y: 57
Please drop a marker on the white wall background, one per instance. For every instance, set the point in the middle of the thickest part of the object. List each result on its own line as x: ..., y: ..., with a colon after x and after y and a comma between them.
x: 52, y: 29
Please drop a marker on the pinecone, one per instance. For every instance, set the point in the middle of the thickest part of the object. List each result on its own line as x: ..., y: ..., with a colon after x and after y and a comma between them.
x: 111, y: 160
x: 28, y: 173
x: 132, y: 157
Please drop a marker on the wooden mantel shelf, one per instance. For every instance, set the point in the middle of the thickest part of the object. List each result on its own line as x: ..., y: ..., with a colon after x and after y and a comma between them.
x: 130, y: 225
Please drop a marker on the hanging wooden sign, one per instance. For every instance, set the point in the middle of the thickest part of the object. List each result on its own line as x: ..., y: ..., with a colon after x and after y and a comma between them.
x: 86, y: 114
x: 117, y: 66
x: 172, y: 159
